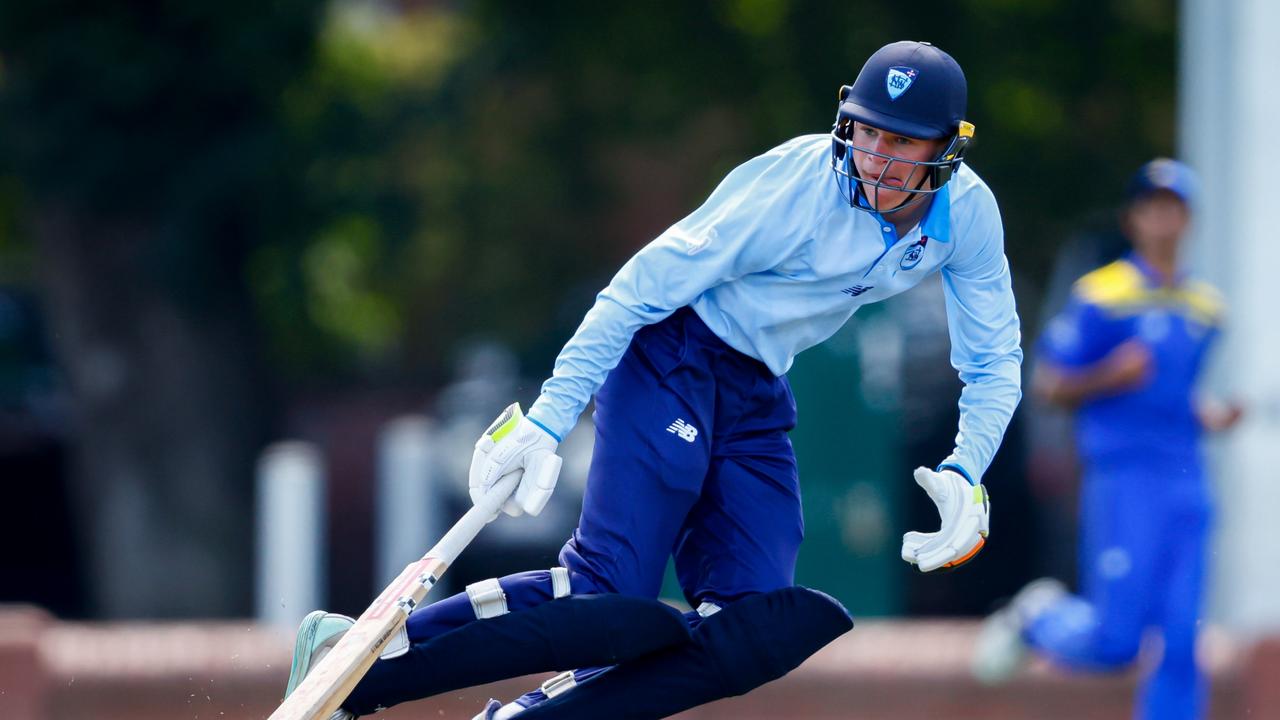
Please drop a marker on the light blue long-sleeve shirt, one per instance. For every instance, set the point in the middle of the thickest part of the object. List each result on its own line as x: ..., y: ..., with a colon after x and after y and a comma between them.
x: 775, y: 262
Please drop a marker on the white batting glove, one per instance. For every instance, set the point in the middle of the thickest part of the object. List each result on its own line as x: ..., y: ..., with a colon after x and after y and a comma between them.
x: 514, y: 443
x: 966, y: 518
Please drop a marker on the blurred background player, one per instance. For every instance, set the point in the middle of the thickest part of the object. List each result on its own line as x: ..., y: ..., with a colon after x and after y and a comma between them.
x: 1125, y: 353
x: 688, y: 348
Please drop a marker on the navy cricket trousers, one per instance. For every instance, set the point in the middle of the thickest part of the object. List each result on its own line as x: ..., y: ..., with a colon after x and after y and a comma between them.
x: 692, y: 460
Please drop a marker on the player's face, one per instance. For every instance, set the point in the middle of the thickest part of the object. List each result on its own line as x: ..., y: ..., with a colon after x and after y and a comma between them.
x: 870, y: 143
x: 1157, y: 222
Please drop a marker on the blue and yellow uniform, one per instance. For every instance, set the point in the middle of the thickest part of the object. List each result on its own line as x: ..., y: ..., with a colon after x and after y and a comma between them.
x: 1145, y: 506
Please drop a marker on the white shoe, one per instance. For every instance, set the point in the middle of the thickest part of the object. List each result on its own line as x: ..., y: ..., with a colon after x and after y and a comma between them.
x: 495, y: 710
x: 317, y: 635
x: 999, y: 649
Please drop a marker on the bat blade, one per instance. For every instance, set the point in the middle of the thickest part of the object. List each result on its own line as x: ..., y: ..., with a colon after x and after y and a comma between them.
x: 336, y: 675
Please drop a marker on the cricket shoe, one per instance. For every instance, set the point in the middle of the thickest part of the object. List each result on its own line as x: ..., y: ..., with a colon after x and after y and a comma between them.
x: 317, y: 635
x: 1000, y: 648
x: 495, y: 710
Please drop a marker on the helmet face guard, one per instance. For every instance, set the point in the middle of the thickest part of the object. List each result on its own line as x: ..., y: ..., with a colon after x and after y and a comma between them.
x: 907, y: 88
x: 932, y: 174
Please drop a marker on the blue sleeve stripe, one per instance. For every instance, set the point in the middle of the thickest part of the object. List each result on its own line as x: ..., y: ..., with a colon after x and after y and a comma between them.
x: 557, y: 437
x: 956, y: 468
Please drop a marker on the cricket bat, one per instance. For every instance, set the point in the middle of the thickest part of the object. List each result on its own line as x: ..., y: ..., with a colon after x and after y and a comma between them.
x: 336, y: 675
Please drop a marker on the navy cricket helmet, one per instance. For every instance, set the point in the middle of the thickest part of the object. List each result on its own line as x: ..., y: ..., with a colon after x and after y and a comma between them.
x: 907, y: 88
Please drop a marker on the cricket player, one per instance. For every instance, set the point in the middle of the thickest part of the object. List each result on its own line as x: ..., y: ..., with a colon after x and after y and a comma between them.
x: 685, y: 353
x: 1125, y: 353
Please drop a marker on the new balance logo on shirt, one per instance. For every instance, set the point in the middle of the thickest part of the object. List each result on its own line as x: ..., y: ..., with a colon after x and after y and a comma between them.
x: 856, y: 290
x: 683, y: 429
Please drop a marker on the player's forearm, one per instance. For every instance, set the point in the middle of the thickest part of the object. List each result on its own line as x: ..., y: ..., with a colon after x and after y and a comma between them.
x: 1070, y: 390
x: 987, y: 402
x: 664, y: 276
x: 586, y: 359
x: 1128, y: 366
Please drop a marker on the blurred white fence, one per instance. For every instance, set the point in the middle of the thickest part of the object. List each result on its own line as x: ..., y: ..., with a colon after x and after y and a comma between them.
x: 292, y: 538
x: 290, y: 533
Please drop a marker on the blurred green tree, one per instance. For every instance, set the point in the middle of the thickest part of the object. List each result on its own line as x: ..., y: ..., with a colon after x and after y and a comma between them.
x: 149, y: 142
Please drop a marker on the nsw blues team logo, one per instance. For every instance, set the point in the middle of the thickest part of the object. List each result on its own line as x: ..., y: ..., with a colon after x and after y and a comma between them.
x: 911, y: 257
x: 899, y: 80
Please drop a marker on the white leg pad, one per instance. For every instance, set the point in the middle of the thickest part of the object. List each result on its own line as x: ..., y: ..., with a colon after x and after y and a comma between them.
x: 560, y: 582
x: 487, y: 599
x: 397, y: 645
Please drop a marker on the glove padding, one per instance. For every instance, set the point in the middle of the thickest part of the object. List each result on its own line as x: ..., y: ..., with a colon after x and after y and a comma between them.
x: 513, y: 443
x: 965, y: 511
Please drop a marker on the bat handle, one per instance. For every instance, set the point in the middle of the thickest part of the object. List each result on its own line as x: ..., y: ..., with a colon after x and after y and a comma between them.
x: 465, y: 530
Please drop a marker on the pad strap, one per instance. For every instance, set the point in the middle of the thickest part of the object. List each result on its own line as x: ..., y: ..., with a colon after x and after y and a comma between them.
x: 560, y: 582
x: 559, y: 684
x: 397, y: 645
x: 707, y: 609
x: 487, y: 599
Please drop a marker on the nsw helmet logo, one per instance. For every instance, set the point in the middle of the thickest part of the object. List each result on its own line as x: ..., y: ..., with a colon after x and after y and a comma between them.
x: 899, y: 80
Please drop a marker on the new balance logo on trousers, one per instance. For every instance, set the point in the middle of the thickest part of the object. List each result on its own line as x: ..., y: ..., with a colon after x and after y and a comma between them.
x: 683, y: 429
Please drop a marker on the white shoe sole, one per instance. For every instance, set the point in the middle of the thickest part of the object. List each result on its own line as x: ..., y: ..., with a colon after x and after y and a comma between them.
x: 999, y: 650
